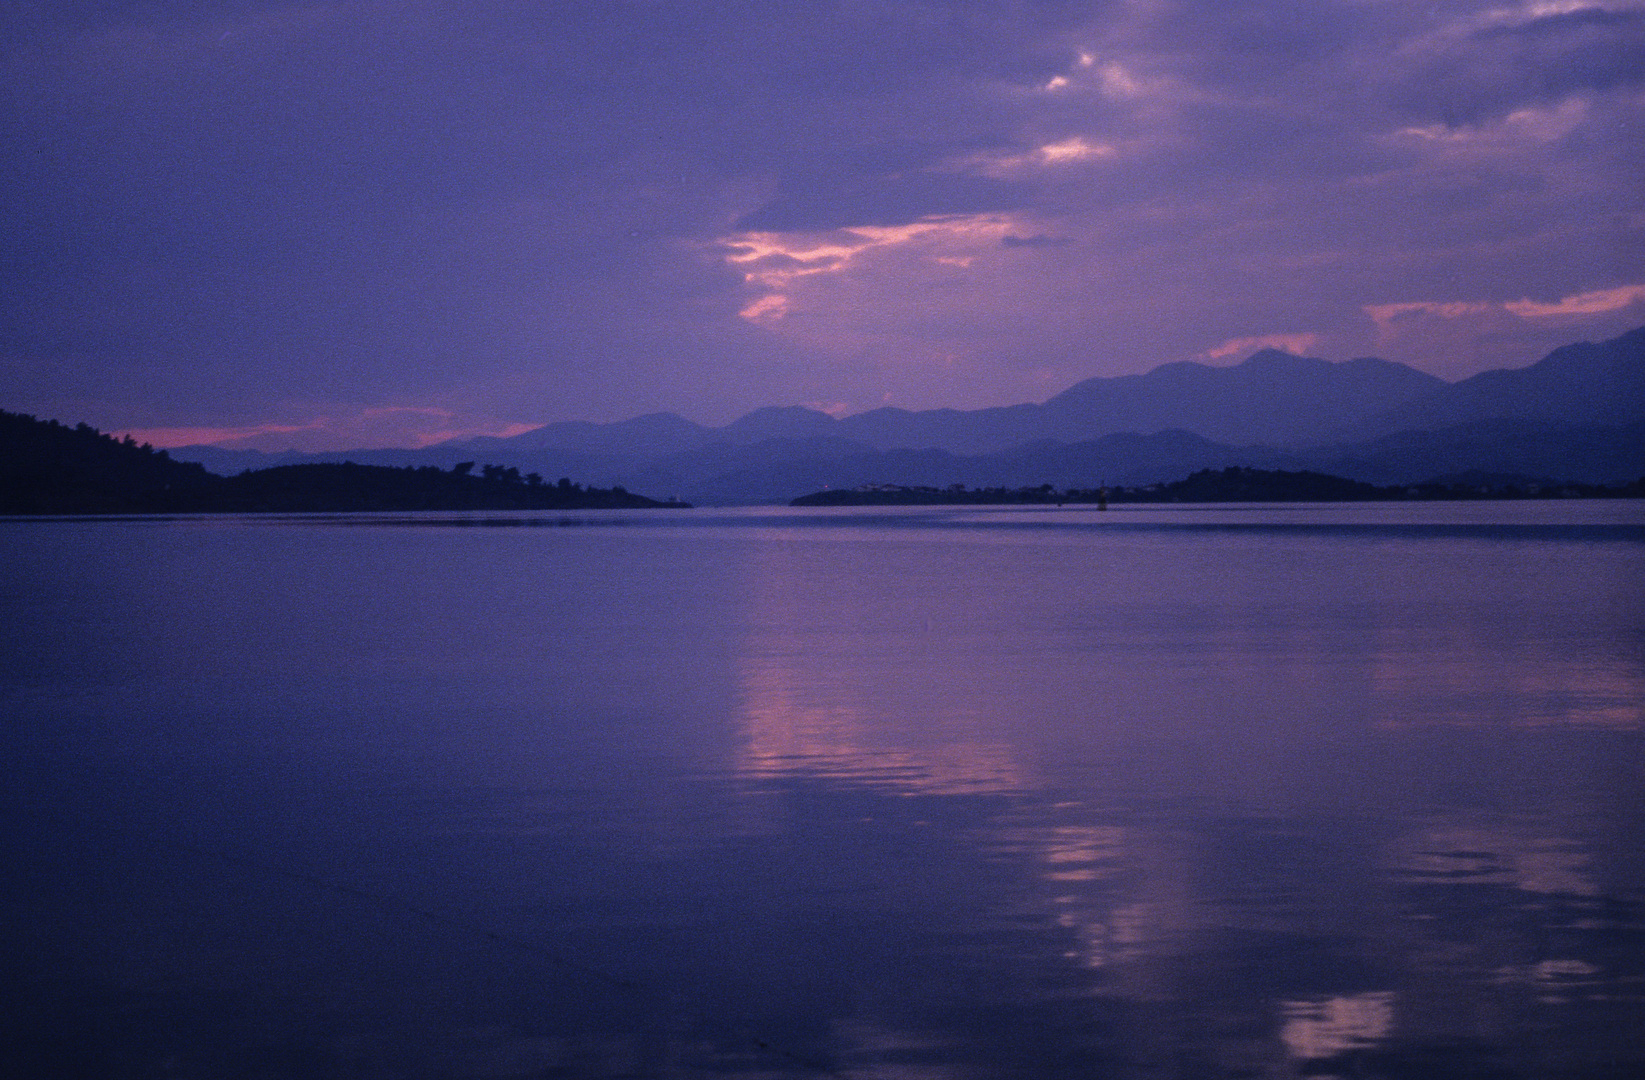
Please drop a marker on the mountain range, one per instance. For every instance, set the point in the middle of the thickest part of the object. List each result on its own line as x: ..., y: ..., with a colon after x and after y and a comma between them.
x: 1576, y: 415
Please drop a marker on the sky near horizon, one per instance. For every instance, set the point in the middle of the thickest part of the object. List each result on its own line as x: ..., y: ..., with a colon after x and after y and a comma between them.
x: 360, y: 223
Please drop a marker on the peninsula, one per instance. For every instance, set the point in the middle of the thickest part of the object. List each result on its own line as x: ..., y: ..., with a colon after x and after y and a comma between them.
x: 50, y: 468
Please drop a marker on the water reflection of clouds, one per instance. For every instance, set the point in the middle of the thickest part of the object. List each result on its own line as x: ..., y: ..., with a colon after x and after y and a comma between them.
x: 1477, y: 855
x: 1083, y: 852
x: 1513, y: 910
x: 843, y: 677
x: 1327, y: 1027
x: 1471, y: 683
x: 1122, y: 893
x: 1501, y: 662
x: 1557, y: 982
x: 1221, y: 887
x: 835, y: 738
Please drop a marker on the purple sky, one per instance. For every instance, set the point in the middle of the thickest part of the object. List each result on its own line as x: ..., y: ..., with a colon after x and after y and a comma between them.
x: 379, y: 222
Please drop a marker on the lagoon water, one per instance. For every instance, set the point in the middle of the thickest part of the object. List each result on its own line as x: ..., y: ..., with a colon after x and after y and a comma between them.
x: 1161, y: 792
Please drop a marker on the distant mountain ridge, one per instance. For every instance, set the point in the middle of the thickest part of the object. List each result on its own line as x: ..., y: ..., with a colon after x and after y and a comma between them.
x: 1272, y: 396
x: 1574, y: 415
x: 1580, y: 384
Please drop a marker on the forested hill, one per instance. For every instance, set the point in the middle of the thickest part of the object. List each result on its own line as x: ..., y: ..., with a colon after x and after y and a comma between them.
x: 345, y: 487
x: 1233, y: 484
x: 51, y: 468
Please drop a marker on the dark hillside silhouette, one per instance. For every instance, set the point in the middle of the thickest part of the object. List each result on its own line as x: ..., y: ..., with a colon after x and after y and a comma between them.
x: 1230, y: 485
x: 50, y: 468
x: 346, y: 487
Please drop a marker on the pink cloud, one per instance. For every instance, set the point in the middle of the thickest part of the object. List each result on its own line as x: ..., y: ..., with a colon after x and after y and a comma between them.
x: 1291, y: 343
x: 167, y: 437
x: 1599, y: 302
x: 1385, y: 315
x: 836, y: 409
x: 391, y: 426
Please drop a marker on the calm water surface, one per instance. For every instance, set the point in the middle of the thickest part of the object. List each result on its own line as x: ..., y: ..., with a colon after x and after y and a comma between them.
x: 1162, y: 792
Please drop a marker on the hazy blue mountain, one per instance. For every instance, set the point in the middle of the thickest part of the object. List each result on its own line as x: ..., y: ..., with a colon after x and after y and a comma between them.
x: 1273, y: 397
x: 1595, y: 455
x: 780, y: 422
x: 1589, y: 454
x: 1577, y: 415
x: 775, y: 470
x: 1130, y: 459
x: 715, y: 469
x: 650, y: 435
x: 975, y: 431
x: 1113, y: 459
x: 226, y: 462
x: 1582, y: 384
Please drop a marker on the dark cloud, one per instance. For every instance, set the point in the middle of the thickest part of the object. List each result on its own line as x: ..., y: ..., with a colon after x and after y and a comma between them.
x: 262, y: 185
x: 1505, y: 65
